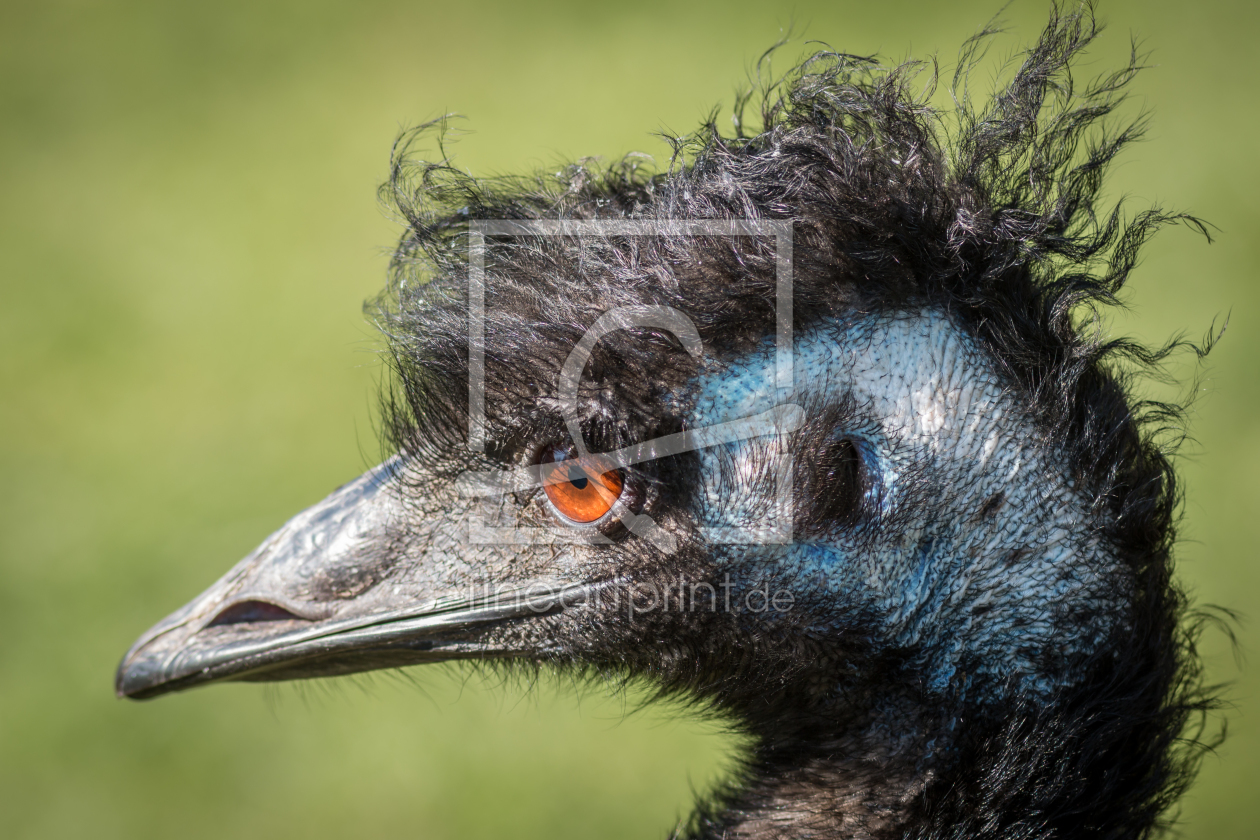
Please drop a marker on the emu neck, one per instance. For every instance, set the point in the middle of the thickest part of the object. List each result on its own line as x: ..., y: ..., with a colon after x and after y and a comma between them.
x: 859, y: 780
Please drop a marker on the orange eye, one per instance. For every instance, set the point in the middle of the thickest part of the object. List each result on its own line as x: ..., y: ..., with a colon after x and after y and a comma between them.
x: 580, y: 489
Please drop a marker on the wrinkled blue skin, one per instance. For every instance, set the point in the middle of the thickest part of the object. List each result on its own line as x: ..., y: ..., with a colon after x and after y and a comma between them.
x: 974, y: 597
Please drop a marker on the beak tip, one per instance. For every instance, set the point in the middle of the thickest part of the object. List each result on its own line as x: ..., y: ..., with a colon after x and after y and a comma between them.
x: 123, y: 687
x: 120, y: 684
x: 136, y: 678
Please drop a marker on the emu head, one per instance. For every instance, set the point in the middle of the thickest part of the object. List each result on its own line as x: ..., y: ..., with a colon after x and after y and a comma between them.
x: 807, y: 428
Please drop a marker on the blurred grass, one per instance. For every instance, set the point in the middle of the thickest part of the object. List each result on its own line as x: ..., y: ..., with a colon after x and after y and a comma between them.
x: 187, y: 229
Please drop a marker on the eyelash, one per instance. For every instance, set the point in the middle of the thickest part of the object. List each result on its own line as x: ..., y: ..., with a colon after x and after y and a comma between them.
x: 636, y: 496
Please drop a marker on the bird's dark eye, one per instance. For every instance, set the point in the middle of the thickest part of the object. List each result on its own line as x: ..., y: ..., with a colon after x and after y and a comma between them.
x: 580, y: 489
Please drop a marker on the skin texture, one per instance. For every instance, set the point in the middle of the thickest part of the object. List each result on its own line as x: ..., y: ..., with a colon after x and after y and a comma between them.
x: 991, y: 540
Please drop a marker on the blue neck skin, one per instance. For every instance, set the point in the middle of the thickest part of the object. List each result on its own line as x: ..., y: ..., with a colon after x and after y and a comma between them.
x: 975, y: 589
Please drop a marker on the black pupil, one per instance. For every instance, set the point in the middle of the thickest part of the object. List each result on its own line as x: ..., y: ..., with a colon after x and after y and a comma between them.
x: 577, y: 477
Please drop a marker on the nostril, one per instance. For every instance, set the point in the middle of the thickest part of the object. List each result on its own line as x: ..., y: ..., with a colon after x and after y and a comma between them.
x: 250, y: 611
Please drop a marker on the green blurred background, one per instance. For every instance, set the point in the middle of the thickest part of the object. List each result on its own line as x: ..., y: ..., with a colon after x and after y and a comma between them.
x: 188, y: 226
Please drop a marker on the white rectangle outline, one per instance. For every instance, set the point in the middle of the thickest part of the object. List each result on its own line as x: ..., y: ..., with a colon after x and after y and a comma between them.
x: 479, y: 229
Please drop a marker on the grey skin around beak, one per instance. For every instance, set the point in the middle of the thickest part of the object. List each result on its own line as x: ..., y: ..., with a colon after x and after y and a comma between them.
x: 368, y: 578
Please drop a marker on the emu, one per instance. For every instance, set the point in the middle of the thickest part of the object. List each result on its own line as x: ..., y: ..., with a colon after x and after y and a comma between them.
x: 813, y: 429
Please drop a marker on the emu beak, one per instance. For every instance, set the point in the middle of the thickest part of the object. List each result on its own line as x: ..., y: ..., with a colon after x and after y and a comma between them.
x: 365, y: 579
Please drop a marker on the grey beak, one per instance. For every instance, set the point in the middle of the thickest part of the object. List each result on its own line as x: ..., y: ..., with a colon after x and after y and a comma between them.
x: 341, y: 588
